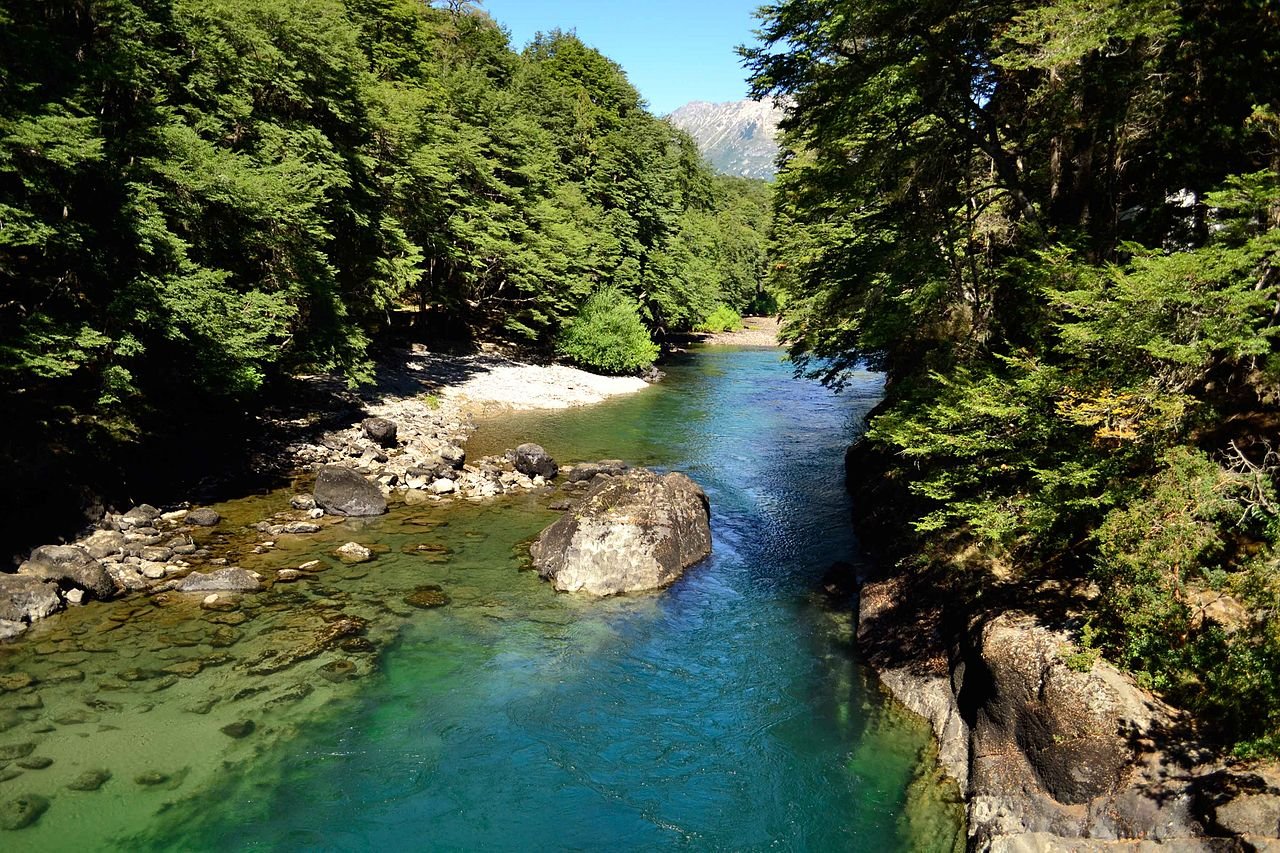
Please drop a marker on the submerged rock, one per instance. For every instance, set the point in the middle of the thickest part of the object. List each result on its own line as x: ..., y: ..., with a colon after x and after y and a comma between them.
x: 342, y: 491
x: 90, y: 780
x: 22, y: 811
x: 427, y: 597
x: 239, y: 729
x: 586, y: 471
x: 634, y: 532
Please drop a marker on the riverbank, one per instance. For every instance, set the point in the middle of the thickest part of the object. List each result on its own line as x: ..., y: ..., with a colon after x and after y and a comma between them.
x: 1054, y: 748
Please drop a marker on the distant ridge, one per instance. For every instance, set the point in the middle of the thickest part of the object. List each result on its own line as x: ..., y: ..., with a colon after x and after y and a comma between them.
x: 737, y: 138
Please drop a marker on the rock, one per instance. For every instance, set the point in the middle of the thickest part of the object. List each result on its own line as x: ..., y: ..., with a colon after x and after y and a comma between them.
x: 155, y: 554
x: 10, y: 629
x: 586, y: 471
x: 427, y: 597
x: 203, y: 517
x: 380, y: 431
x: 104, y: 543
x: 22, y: 811
x: 153, y: 571
x: 11, y: 681
x: 10, y: 751
x: 354, y: 552
x: 341, y: 491
x: 150, y: 778
x: 141, y: 515
x: 452, y: 455
x: 304, y: 502
x: 70, y: 566
x: 634, y: 532
x: 287, y: 575
x: 90, y: 780
x: 239, y: 729
x: 301, y: 527
x: 531, y: 459
x: 310, y: 564
x: 35, y: 762
x: 222, y: 580
x: 443, y: 487
x: 275, y: 660
x: 24, y: 598
x: 338, y: 671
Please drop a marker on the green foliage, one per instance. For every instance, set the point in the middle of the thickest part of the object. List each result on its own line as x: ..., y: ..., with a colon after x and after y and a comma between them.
x: 608, y: 335
x: 1054, y: 224
x: 723, y: 319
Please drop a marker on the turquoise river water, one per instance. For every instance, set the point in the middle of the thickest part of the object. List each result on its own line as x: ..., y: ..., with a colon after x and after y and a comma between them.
x: 728, y: 712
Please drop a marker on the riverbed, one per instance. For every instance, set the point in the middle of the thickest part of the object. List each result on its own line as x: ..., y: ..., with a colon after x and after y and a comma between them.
x: 728, y: 712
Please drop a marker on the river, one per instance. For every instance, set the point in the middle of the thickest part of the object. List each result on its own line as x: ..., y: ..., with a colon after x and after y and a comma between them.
x: 728, y: 712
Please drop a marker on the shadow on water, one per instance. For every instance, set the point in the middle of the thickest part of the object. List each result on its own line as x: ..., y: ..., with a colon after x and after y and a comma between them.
x: 728, y: 712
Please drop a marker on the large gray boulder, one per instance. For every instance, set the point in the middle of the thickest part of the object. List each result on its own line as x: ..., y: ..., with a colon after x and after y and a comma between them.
x: 71, y: 567
x: 380, y: 431
x: 633, y: 532
x: 532, y: 459
x: 24, y: 598
x: 341, y: 491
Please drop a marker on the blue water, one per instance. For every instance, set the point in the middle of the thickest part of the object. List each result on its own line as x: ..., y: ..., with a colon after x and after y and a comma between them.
x: 728, y: 712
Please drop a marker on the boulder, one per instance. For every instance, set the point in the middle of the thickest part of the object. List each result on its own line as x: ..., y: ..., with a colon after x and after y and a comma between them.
x: 452, y: 455
x: 380, y: 431
x: 341, y: 491
x: 443, y: 486
x: 634, y: 532
x: 24, y: 598
x: 304, y: 502
x: 21, y: 811
x: 71, y: 567
x: 203, y: 517
x: 104, y: 543
x: 141, y: 515
x: 354, y: 552
x: 531, y: 459
x: 223, y: 580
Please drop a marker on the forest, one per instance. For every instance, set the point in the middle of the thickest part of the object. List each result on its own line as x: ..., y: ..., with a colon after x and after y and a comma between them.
x: 200, y: 199
x: 1055, y: 227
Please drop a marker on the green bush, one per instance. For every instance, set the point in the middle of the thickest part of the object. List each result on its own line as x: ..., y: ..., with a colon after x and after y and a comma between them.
x: 723, y: 319
x: 608, y: 335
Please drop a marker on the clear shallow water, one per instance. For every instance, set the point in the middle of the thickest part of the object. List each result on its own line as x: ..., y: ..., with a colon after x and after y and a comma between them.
x: 725, y: 713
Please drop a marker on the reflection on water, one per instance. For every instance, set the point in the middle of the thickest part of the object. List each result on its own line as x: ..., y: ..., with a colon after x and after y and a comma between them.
x: 727, y: 712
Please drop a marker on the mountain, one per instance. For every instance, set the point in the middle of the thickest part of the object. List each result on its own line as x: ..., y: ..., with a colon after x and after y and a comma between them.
x: 738, y: 137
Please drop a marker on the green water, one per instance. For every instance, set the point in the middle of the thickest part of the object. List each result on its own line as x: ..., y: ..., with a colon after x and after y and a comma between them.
x: 728, y: 712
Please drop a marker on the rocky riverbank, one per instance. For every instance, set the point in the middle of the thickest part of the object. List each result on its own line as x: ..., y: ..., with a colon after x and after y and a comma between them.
x: 405, y: 437
x: 1054, y: 749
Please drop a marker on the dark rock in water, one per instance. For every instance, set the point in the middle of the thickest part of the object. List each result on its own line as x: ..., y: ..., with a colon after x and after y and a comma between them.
x: 10, y: 751
x: 70, y: 566
x: 586, y: 471
x: 90, y: 780
x: 427, y: 596
x: 203, y: 517
x: 633, y: 532
x: 531, y: 460
x: 24, y: 598
x: 35, y: 762
x: 223, y: 580
x: 380, y: 430
x: 239, y: 729
x: 296, y: 693
x: 22, y: 811
x: 341, y: 491
x: 223, y: 637
x: 8, y: 773
x: 151, y: 777
x: 338, y: 671
x: 274, y: 660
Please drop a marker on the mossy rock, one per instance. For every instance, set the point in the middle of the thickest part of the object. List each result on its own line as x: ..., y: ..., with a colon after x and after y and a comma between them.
x: 427, y: 597
x: 22, y: 811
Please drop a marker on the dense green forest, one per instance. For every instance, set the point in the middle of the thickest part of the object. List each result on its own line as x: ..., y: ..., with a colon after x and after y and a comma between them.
x: 200, y: 197
x: 1054, y: 224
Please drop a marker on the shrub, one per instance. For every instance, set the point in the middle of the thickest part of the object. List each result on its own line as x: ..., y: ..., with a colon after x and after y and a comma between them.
x: 608, y: 335
x: 723, y: 319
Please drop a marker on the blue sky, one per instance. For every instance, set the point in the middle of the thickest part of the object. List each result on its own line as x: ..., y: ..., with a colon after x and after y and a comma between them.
x: 674, y: 51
